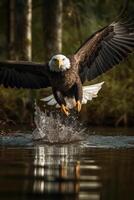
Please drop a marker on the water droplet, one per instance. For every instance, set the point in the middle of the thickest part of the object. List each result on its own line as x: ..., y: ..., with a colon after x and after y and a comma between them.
x: 52, y: 128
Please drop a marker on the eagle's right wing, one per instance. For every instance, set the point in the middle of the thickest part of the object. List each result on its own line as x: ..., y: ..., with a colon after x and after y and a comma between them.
x: 23, y: 74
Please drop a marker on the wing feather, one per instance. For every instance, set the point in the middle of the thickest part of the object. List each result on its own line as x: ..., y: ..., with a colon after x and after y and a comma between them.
x: 24, y: 75
x: 104, y: 49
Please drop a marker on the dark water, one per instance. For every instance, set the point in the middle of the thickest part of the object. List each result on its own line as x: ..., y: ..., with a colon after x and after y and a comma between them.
x: 99, y: 168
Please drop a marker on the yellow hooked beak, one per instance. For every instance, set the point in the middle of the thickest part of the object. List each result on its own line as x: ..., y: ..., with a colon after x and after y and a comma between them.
x: 58, y: 62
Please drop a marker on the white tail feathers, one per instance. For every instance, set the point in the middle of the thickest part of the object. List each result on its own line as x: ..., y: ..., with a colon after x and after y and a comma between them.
x: 89, y: 92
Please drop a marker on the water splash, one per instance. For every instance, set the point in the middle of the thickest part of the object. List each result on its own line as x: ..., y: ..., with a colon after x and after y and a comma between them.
x: 54, y: 128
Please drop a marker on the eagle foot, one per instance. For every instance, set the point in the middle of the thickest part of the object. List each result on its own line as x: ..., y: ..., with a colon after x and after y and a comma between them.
x: 78, y: 106
x: 65, y: 110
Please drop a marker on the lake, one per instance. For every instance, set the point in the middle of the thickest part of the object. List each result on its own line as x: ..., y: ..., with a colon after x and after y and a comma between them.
x: 100, y: 167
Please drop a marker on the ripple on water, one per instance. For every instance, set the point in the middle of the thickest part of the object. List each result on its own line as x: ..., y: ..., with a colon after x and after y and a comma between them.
x: 114, y: 142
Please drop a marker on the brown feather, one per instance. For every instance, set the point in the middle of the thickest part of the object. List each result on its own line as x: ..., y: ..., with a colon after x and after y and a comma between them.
x: 23, y: 74
x: 104, y: 49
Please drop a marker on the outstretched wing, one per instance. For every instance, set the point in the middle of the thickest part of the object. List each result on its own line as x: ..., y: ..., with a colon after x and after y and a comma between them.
x: 104, y: 49
x: 22, y: 74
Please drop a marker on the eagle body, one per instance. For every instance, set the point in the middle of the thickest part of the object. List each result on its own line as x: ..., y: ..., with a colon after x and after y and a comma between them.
x: 63, y: 81
x: 103, y: 50
x: 66, y: 84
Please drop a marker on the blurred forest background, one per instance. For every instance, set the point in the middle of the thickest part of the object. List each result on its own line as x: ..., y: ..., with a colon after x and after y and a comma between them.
x: 37, y: 29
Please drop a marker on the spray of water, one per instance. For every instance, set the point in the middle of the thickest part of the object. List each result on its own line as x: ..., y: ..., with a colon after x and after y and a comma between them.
x: 53, y: 128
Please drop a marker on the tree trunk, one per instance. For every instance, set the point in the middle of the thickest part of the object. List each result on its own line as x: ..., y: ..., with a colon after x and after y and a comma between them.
x: 19, y: 29
x: 24, y: 29
x: 52, y: 26
x: 11, y: 30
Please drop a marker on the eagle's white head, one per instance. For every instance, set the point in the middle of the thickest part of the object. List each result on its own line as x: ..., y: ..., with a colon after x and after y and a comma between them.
x: 59, y: 63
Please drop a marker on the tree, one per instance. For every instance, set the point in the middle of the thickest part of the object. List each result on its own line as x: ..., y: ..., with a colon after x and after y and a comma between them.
x: 11, y: 29
x: 23, y: 29
x: 52, y: 26
x: 19, y: 29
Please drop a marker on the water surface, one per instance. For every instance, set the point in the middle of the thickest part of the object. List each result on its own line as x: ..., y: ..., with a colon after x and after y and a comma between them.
x: 100, y: 167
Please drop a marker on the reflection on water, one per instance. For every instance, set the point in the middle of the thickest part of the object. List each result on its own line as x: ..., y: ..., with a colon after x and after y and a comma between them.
x: 62, y: 173
x: 49, y: 171
x: 60, y: 177
x: 66, y: 172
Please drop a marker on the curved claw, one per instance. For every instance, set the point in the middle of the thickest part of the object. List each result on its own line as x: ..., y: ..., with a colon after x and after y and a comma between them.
x: 65, y: 110
x: 78, y: 106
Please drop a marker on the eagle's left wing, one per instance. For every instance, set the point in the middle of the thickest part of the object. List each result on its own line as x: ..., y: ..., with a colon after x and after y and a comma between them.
x: 104, y: 49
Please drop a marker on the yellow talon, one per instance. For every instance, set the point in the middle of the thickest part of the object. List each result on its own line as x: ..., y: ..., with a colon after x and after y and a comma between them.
x: 65, y: 109
x: 78, y: 106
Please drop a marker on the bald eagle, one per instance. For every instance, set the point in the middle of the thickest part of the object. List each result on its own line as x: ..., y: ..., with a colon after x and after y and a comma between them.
x: 66, y: 75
